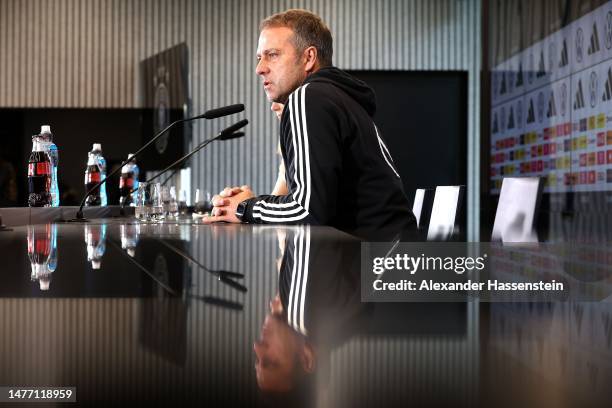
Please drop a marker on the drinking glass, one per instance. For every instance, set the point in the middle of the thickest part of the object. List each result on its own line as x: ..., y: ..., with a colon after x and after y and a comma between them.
x: 203, y: 202
x: 169, y: 203
x: 174, y: 208
x: 155, y: 206
x: 182, y: 205
x: 141, y: 199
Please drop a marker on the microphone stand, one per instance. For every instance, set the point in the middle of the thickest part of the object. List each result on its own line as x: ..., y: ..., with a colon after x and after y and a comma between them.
x: 223, y: 135
x: 226, y: 134
x: 187, y: 156
x: 226, y: 277
x: 210, y: 114
x: 79, y: 214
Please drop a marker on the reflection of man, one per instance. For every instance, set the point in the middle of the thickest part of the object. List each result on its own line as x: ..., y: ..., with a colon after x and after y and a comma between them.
x: 316, y: 308
x: 284, y: 357
x: 338, y: 169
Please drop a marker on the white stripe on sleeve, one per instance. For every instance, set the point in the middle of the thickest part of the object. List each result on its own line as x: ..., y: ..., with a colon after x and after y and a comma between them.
x: 385, y: 152
x: 298, y: 208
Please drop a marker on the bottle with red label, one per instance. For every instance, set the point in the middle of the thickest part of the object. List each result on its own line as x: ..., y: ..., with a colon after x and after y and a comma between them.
x: 95, y: 238
x: 97, y: 151
x: 39, y: 175
x: 130, y: 233
x: 128, y: 183
x: 42, y: 251
x: 93, y: 175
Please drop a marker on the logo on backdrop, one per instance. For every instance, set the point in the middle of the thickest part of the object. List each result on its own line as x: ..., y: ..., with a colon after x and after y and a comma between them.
x: 593, y: 89
x: 579, y: 44
x: 608, y: 38
x: 563, y: 99
x: 162, y: 105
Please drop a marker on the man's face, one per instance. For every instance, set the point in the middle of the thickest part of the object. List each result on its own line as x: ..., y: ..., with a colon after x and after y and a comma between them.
x: 280, y: 67
x: 277, y: 108
x: 276, y: 355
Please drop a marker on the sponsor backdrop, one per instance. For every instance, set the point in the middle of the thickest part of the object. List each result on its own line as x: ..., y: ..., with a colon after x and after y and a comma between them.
x: 551, y: 112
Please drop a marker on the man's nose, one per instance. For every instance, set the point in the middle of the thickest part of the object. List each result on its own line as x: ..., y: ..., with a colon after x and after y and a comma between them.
x: 259, y: 348
x: 261, y: 67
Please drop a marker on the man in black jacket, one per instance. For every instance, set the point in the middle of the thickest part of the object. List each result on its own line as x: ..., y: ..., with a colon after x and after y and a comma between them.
x: 316, y: 309
x: 339, y: 171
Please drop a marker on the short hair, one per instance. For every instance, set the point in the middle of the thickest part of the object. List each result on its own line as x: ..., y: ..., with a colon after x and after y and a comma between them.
x: 308, y: 30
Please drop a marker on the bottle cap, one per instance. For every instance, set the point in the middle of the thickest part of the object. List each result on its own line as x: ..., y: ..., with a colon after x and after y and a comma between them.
x: 44, y: 282
x: 45, y: 129
x: 97, y: 146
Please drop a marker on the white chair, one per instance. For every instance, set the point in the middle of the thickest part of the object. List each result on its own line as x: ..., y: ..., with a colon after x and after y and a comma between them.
x: 444, y: 213
x: 421, y: 208
x: 517, y: 208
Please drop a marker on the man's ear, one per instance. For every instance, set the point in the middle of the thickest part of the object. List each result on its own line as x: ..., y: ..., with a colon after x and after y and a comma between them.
x: 311, y: 59
x: 308, y: 358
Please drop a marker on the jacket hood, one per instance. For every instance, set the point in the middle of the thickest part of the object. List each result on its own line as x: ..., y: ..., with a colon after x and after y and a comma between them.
x: 355, y: 88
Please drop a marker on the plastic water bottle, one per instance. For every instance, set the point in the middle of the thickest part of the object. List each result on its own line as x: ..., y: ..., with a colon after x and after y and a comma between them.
x: 97, y: 151
x: 136, y: 171
x: 39, y: 175
x: 92, y: 177
x: 130, y: 233
x: 52, y: 261
x: 95, y: 238
x: 42, y: 251
x: 52, y: 150
x: 128, y: 183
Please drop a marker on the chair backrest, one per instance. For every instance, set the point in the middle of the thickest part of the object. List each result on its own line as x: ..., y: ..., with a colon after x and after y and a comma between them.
x: 421, y: 208
x: 517, y: 209
x: 445, y: 212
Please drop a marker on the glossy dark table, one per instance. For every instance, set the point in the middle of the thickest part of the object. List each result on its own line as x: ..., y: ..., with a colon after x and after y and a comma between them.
x: 171, y: 313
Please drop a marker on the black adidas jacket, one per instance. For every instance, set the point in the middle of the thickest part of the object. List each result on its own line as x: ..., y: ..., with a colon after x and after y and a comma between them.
x: 339, y: 171
x: 318, y: 284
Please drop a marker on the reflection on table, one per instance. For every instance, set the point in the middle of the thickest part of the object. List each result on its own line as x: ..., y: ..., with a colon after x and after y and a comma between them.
x: 225, y: 314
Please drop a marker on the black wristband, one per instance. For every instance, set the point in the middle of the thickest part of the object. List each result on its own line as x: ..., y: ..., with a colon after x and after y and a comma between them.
x: 242, y: 210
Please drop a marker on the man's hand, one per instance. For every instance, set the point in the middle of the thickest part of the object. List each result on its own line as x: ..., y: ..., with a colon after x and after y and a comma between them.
x: 225, y: 204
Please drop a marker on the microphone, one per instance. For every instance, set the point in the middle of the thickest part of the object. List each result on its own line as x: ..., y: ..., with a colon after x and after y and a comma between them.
x: 231, y: 136
x: 231, y: 129
x: 224, y: 111
x: 219, y: 302
x: 210, y: 114
x: 224, y: 276
x: 226, y: 134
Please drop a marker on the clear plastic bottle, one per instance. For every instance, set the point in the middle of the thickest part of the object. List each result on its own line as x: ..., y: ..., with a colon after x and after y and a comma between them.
x: 53, y: 152
x: 52, y: 262
x: 130, y: 233
x: 97, y: 151
x: 92, y: 177
x: 95, y: 238
x: 136, y: 172
x: 39, y: 175
x: 42, y: 251
x: 128, y: 183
